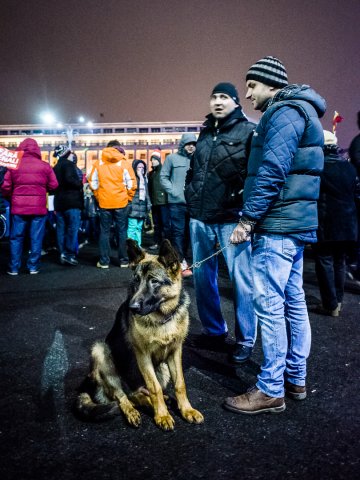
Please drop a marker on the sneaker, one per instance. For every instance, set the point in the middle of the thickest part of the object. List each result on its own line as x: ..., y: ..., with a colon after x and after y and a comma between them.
x: 295, y: 392
x: 11, y: 272
x: 100, y: 265
x: 154, y: 247
x: 68, y: 260
x: 254, y: 401
x: 124, y: 263
x: 325, y: 311
x: 241, y: 353
x: 33, y: 272
x: 215, y: 343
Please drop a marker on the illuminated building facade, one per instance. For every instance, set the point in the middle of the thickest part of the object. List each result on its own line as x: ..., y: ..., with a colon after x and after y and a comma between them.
x: 138, y: 139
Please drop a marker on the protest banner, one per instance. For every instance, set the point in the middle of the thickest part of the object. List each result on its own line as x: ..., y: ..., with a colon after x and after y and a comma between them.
x: 10, y: 159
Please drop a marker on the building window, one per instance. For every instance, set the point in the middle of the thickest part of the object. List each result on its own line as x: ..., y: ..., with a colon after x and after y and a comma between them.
x: 131, y: 130
x: 143, y: 130
x: 14, y: 132
x: 119, y: 130
x: 192, y: 129
x: 107, y: 130
x: 156, y: 130
x: 179, y: 129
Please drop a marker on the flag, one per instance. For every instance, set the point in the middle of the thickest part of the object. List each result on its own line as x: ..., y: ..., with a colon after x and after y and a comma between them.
x: 336, y: 119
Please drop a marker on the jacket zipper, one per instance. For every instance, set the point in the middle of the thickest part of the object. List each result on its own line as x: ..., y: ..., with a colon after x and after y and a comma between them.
x: 207, y: 165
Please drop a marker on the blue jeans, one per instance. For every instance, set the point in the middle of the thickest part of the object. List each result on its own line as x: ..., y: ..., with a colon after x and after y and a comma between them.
x: 179, y: 223
x: 67, y: 229
x: 120, y: 218
x: 279, y: 301
x: 203, y: 240
x: 19, y: 226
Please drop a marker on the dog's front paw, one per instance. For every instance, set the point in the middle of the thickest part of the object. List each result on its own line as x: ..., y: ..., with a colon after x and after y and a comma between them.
x: 165, y: 422
x: 133, y: 417
x: 192, y: 416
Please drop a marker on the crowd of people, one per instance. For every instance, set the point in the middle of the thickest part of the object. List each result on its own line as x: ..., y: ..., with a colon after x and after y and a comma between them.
x: 259, y: 193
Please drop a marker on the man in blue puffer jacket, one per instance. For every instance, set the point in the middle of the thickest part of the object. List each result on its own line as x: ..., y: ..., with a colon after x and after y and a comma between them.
x: 280, y: 194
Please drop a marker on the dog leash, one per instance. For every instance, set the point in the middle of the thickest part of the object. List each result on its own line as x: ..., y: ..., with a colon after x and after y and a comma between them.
x: 199, y: 263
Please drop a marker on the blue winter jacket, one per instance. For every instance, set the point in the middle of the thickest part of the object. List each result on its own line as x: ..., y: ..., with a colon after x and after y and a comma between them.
x: 285, y: 163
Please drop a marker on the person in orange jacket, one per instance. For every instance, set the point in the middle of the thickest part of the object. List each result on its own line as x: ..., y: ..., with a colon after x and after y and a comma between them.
x: 113, y: 182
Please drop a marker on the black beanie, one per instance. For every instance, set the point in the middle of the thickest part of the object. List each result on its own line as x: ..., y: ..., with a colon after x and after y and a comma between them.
x: 227, y: 88
x: 270, y: 71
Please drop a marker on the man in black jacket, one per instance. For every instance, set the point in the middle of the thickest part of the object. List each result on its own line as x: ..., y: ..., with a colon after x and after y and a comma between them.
x: 68, y: 204
x: 213, y: 193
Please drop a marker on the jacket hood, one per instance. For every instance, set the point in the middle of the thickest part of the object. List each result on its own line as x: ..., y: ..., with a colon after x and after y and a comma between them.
x: 186, y: 138
x: 136, y: 163
x: 112, y: 155
x: 301, y: 92
x: 30, y: 146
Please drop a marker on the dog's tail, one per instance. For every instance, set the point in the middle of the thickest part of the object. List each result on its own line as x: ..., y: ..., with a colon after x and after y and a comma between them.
x: 88, y: 410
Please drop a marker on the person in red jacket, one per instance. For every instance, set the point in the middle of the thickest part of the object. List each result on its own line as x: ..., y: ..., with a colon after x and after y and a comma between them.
x: 26, y: 190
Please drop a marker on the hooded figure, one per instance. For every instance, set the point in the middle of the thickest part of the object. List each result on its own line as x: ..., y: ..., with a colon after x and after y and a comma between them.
x: 26, y: 189
x: 113, y: 182
x: 140, y: 205
x: 69, y: 203
x: 172, y: 178
x: 27, y: 186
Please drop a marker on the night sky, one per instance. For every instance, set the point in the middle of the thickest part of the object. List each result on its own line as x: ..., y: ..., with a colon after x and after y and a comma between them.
x: 157, y: 60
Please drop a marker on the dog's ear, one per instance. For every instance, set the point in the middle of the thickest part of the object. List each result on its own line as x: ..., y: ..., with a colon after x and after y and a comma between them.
x: 135, y: 253
x: 168, y: 256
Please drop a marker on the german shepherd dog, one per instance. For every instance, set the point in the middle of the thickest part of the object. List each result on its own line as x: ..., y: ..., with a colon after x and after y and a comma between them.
x: 144, y: 347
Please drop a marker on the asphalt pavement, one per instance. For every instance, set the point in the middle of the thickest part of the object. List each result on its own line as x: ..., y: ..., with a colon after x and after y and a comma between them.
x: 48, y: 324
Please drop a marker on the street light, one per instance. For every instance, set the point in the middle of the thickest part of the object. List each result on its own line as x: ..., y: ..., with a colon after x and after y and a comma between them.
x: 49, y: 119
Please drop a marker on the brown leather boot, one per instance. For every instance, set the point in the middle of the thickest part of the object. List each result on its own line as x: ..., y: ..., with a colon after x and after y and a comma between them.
x: 254, y: 401
x: 295, y: 392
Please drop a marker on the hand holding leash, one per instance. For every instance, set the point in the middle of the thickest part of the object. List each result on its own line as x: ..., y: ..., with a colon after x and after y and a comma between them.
x: 242, y: 232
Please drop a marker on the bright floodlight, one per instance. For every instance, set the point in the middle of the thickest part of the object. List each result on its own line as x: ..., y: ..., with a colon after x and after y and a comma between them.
x: 59, y: 125
x: 48, y: 118
x: 81, y: 119
x: 89, y: 124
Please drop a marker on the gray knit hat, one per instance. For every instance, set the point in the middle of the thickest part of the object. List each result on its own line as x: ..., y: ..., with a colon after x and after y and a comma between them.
x: 268, y: 70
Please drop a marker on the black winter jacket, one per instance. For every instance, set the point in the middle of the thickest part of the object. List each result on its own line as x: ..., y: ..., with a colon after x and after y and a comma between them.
x: 157, y: 194
x: 336, y: 205
x: 139, y: 208
x: 69, y: 193
x: 215, y: 180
